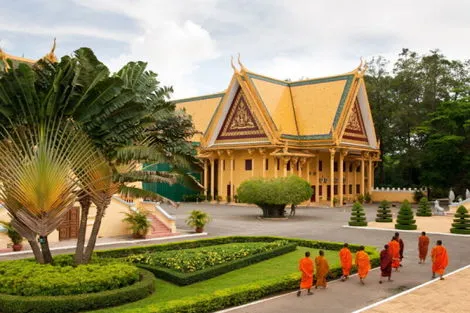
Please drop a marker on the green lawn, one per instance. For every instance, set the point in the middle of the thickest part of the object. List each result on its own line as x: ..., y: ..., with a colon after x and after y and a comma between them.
x: 266, y: 270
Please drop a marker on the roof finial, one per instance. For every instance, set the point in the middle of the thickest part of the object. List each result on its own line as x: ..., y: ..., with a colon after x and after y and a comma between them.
x: 233, y: 66
x: 51, y: 56
x: 3, y: 58
x: 240, y: 62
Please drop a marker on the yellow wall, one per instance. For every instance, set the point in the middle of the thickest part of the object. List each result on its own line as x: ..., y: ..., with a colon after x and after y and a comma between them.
x: 393, y: 195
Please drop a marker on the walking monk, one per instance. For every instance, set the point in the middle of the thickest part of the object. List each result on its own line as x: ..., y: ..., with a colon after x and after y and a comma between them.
x: 363, y: 264
x: 394, y: 249
x: 306, y: 267
x: 385, y: 264
x: 402, y: 246
x: 322, y: 269
x: 423, y: 244
x: 440, y: 260
x: 346, y: 261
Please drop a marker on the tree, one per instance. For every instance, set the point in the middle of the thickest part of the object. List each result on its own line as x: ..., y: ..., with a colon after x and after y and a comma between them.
x: 461, y: 224
x: 384, y: 214
x: 424, y: 209
x: 405, y: 218
x: 272, y: 195
x: 358, y: 216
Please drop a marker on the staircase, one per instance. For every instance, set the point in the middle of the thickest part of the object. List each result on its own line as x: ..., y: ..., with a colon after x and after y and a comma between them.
x: 158, y: 229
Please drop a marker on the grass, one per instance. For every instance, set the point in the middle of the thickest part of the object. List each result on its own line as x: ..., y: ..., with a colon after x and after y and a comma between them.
x: 272, y: 268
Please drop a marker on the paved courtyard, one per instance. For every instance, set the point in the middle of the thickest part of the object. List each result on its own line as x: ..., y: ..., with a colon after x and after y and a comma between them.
x: 322, y: 224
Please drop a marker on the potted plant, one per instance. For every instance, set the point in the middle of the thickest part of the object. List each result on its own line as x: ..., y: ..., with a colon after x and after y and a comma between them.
x: 14, y: 236
x: 198, y: 219
x: 139, y: 223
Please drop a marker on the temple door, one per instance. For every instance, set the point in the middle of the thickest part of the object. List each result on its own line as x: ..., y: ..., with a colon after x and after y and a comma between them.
x: 312, y: 198
x: 68, y: 229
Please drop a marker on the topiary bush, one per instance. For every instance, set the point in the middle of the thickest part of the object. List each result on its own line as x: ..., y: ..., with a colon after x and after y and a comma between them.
x: 461, y: 224
x: 272, y: 195
x: 424, y: 209
x: 384, y: 213
x: 405, y: 218
x: 417, y: 196
x: 358, y: 216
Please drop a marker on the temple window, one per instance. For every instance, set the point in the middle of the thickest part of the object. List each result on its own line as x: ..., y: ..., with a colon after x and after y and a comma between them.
x: 358, y: 188
x: 320, y: 165
x: 350, y: 189
x: 266, y: 166
x: 335, y: 164
x: 288, y: 165
x: 248, y: 165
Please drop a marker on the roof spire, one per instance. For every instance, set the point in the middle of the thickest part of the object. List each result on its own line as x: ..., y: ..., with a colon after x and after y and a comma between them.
x: 240, y: 62
x: 233, y: 66
x: 51, y: 55
x: 3, y: 58
x: 362, y: 68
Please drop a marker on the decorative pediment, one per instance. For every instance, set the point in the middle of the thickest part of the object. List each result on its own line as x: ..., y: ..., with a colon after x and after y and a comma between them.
x: 240, y: 121
x: 355, y: 130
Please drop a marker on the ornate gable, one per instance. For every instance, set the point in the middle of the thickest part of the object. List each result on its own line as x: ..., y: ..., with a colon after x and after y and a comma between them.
x: 355, y: 130
x: 240, y: 122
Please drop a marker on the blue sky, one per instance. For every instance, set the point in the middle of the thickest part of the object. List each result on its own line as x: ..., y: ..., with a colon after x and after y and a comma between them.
x: 189, y: 43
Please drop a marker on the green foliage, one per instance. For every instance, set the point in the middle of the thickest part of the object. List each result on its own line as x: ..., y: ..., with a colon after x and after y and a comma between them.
x: 193, y: 260
x: 360, y: 199
x: 209, y: 197
x: 424, y: 209
x: 139, y: 223
x: 198, y: 219
x: 461, y: 224
x: 335, y: 201
x: 384, y: 213
x: 81, y: 302
x: 14, y: 236
x: 367, y: 198
x: 405, y: 218
x: 272, y: 195
x: 418, y: 195
x: 26, y: 278
x: 358, y: 216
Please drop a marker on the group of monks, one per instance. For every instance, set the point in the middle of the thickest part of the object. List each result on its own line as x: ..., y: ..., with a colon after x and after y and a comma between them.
x: 390, y: 258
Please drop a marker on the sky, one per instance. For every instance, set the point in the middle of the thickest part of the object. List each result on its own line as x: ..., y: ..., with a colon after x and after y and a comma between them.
x: 189, y: 43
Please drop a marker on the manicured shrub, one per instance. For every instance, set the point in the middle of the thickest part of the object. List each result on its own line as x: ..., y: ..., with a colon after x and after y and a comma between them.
x: 405, y: 218
x: 272, y: 195
x: 417, y: 196
x: 82, y: 302
x: 461, y: 224
x: 424, y: 209
x: 367, y: 198
x: 193, y: 260
x: 27, y: 278
x: 358, y: 216
x: 384, y: 214
x: 360, y: 199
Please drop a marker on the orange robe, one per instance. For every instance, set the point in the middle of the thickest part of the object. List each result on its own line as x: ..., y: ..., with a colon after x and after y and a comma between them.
x: 346, y: 260
x: 322, y: 270
x: 440, y: 260
x: 363, y: 263
x: 423, y: 244
x: 394, y: 250
x: 306, y: 267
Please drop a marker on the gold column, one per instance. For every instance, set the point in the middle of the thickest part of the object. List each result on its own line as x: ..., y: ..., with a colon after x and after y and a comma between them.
x: 212, y: 178
x: 347, y: 178
x: 293, y: 163
x: 221, y: 180
x: 369, y: 179
x: 332, y: 175
x: 362, y: 176
x: 342, y: 154
x: 355, y: 166
x: 206, y: 178
x: 308, y: 171
x: 232, y: 189
x: 276, y: 160
x: 285, y: 166
x: 264, y: 166
x: 317, y: 179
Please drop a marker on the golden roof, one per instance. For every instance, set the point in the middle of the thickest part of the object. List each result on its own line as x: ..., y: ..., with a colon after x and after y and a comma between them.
x: 4, y: 57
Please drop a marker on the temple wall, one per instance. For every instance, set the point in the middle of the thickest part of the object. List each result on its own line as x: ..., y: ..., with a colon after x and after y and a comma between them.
x: 394, y: 194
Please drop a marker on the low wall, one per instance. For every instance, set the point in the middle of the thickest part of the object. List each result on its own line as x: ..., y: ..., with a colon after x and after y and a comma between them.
x: 394, y: 194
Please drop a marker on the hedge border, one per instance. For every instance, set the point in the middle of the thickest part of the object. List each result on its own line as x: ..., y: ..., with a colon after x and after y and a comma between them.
x: 82, y: 302
x: 384, y: 220
x: 183, y: 279
x: 406, y: 227
x: 460, y: 231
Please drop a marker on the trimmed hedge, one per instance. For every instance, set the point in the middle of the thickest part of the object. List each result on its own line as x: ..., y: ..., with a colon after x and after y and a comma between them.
x: 405, y: 219
x: 183, y: 279
x: 358, y: 216
x: 424, y: 209
x: 82, y: 302
x: 384, y: 214
x: 461, y: 224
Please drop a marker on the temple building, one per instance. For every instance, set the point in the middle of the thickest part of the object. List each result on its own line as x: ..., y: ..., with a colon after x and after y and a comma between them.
x: 319, y: 129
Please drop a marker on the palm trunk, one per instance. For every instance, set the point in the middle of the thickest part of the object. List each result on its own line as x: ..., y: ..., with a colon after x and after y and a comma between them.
x: 46, y: 252
x: 85, y: 202
x: 37, y: 251
x: 100, y: 209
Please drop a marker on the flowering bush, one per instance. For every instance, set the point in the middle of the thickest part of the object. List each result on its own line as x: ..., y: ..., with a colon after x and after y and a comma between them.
x: 192, y: 260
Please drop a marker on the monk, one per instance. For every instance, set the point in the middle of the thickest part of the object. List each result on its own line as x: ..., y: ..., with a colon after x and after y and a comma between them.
x: 363, y: 264
x: 306, y: 268
x: 423, y: 244
x: 394, y: 249
x: 402, y: 247
x: 440, y: 260
x: 346, y: 261
x: 385, y: 264
x: 322, y: 269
